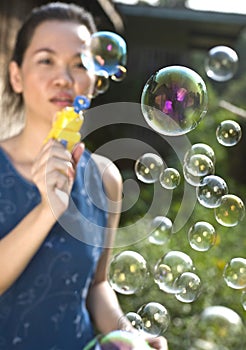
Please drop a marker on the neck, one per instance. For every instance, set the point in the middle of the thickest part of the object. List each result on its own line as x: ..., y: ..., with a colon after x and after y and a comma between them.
x: 30, y: 141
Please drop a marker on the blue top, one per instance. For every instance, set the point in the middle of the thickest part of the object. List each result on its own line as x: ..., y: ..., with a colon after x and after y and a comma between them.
x: 45, y: 308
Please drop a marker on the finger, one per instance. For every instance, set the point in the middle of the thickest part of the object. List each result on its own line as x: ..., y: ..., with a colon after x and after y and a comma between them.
x: 50, y: 152
x: 159, y: 343
x: 59, y: 180
x: 54, y: 148
x: 64, y: 166
x: 77, y: 152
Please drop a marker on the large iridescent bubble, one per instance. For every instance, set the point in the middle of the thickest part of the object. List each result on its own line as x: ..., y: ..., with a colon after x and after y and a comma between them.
x: 107, y: 53
x: 174, y: 100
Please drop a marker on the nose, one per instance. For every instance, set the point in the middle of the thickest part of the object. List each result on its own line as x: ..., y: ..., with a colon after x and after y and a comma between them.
x: 63, y: 77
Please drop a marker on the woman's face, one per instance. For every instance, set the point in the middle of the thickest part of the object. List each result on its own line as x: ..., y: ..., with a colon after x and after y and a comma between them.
x: 52, y: 73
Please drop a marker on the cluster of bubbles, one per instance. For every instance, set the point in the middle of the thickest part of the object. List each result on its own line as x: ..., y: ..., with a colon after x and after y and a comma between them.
x: 150, y: 168
x: 174, y: 101
x: 211, y: 190
x: 152, y: 318
x: 175, y: 274
x: 106, y: 57
x: 128, y: 275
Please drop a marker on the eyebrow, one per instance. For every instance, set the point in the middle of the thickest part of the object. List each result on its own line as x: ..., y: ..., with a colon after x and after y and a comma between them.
x: 47, y: 49
x: 44, y: 49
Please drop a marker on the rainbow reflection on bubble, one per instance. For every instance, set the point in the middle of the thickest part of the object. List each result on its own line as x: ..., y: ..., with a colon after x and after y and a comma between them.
x: 122, y: 340
x: 174, y: 100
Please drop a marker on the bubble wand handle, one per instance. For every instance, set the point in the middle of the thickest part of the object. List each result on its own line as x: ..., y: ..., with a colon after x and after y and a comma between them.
x: 68, y: 122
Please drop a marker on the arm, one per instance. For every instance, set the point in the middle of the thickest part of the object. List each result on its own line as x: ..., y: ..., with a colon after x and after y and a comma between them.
x: 102, y: 299
x: 50, y: 172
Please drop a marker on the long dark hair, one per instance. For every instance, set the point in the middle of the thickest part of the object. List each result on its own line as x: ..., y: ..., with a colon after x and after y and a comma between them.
x: 11, y: 101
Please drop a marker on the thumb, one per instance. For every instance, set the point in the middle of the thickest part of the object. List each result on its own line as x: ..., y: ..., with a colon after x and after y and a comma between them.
x: 77, y: 152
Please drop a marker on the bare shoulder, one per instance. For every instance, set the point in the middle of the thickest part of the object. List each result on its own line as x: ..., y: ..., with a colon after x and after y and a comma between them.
x: 111, y: 176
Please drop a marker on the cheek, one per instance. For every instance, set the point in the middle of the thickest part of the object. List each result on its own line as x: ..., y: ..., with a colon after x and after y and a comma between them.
x: 34, y: 88
x: 87, y: 83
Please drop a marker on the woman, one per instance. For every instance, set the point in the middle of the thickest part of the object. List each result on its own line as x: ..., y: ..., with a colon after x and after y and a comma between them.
x: 55, y: 224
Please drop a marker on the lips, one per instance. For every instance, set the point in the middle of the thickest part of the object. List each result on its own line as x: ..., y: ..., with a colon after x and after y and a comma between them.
x: 62, y: 100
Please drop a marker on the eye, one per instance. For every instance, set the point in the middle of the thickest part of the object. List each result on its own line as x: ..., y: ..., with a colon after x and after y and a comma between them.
x: 79, y: 65
x: 46, y: 61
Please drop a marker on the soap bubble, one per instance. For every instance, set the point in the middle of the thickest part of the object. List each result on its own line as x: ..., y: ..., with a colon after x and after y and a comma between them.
x: 235, y: 273
x: 200, y: 148
x: 119, y: 339
x: 202, y: 236
x: 106, y: 53
x: 128, y: 272
x: 155, y: 318
x: 148, y: 167
x: 134, y: 319
x: 221, y: 327
x: 221, y: 63
x: 191, y: 179
x: 169, y: 178
x: 202, y: 156
x: 243, y: 299
x: 161, y: 230
x: 228, y: 133
x: 211, y: 191
x: 169, y: 267
x: 230, y: 211
x: 188, y: 285
x: 101, y: 84
x: 200, y: 165
x: 120, y: 74
x: 174, y: 100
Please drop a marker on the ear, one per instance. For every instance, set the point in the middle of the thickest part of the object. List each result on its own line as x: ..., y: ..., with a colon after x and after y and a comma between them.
x: 15, y: 77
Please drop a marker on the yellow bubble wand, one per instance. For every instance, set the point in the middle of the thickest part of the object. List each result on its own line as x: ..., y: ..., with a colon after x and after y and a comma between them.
x: 68, y: 122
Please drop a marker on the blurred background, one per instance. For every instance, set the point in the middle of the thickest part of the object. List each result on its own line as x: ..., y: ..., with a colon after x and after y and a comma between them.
x: 160, y: 34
